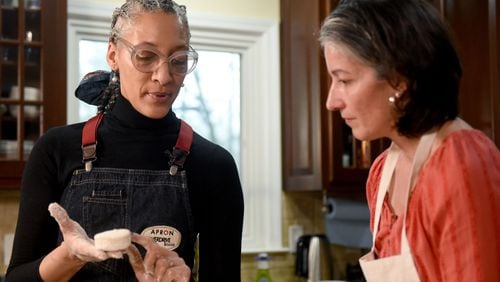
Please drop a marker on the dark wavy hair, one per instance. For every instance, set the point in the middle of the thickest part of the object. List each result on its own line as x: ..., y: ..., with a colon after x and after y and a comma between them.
x: 406, y: 38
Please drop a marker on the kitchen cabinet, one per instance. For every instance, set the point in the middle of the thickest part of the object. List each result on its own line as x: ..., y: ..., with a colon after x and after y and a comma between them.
x: 318, y: 149
x: 32, y: 79
x: 319, y: 152
x: 303, y: 115
x: 475, y: 27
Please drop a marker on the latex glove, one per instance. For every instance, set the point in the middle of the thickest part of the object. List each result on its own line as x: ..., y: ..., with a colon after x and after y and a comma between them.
x: 159, y: 264
x: 76, y: 239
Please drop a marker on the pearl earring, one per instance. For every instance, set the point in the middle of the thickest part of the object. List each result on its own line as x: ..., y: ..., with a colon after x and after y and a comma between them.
x: 114, y: 76
x: 392, y: 99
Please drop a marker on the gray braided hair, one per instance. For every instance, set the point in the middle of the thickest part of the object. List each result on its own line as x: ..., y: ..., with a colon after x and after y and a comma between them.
x: 133, y: 7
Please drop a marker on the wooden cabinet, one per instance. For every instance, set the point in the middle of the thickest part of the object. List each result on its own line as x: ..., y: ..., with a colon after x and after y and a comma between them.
x: 304, y: 119
x: 318, y: 149
x: 475, y: 27
x: 32, y: 79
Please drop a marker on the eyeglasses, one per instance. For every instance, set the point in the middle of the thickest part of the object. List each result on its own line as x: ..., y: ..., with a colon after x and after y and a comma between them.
x: 148, y: 59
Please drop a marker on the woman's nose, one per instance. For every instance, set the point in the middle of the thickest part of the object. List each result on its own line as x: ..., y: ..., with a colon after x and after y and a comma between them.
x: 333, y: 101
x: 162, y: 74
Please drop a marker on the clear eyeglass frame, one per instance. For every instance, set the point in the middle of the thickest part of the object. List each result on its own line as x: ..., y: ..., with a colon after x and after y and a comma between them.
x: 148, y: 59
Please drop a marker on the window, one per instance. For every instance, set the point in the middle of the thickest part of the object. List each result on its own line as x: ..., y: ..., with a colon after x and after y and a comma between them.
x: 210, y: 99
x: 250, y: 49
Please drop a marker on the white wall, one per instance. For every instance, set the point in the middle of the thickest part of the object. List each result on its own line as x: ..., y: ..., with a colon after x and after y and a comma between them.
x: 261, y: 9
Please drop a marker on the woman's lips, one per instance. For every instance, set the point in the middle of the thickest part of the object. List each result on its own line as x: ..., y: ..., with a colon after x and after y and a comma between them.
x: 348, y: 121
x: 159, y: 96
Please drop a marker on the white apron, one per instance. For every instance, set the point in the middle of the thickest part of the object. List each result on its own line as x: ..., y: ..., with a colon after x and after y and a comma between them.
x: 399, y: 267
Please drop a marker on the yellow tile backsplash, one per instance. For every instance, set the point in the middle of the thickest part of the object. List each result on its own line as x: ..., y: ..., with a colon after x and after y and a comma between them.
x: 302, y: 208
x: 9, y: 204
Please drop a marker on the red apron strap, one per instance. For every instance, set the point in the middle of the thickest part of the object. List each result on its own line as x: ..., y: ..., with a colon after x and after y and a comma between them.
x: 185, y: 138
x: 182, y: 147
x: 179, y: 154
x: 89, y: 140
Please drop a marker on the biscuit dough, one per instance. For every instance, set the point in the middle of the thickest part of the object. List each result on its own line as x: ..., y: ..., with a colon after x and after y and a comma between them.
x: 113, y: 240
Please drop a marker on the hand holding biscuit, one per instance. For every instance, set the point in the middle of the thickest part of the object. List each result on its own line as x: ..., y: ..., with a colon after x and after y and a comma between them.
x: 76, y: 239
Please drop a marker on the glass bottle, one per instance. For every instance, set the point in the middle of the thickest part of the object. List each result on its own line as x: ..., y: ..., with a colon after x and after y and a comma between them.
x: 263, y: 268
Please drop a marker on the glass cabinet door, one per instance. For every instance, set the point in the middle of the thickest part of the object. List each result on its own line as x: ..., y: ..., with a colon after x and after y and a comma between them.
x: 20, y: 77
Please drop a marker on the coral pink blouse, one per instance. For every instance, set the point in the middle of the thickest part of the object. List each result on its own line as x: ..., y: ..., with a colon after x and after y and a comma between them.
x: 453, y: 217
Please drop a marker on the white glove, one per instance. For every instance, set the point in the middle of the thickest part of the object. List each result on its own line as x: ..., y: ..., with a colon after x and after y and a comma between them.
x: 76, y: 239
x: 159, y: 264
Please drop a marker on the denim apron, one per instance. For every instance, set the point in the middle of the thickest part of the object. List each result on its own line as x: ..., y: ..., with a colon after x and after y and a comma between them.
x: 398, y: 267
x: 150, y: 202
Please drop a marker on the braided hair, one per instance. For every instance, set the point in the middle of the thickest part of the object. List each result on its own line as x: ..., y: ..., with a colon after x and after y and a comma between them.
x: 132, y: 7
x: 109, y: 94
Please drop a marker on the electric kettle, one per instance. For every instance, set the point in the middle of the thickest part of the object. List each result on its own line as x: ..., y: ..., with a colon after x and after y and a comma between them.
x: 313, y: 259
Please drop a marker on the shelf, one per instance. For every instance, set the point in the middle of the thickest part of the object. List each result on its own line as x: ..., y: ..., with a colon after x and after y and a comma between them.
x: 9, y: 8
x: 47, y: 21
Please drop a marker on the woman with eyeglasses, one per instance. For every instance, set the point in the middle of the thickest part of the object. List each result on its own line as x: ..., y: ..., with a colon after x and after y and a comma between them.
x: 133, y: 166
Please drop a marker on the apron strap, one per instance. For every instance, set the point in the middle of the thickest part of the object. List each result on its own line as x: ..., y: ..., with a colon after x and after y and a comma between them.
x: 89, y: 140
x: 181, y: 149
x: 421, y: 154
x: 177, y: 158
x: 387, y: 171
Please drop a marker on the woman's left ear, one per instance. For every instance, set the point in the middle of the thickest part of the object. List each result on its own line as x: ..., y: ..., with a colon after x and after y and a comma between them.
x: 111, y: 56
x: 400, y: 84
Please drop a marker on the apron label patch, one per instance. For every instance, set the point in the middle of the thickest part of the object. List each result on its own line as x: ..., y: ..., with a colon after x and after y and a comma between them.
x: 165, y: 236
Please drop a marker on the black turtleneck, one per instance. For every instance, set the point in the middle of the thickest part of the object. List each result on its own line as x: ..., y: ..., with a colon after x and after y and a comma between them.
x: 127, y: 139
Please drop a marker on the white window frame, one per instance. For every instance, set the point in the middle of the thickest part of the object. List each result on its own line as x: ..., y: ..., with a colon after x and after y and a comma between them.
x: 258, y: 43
